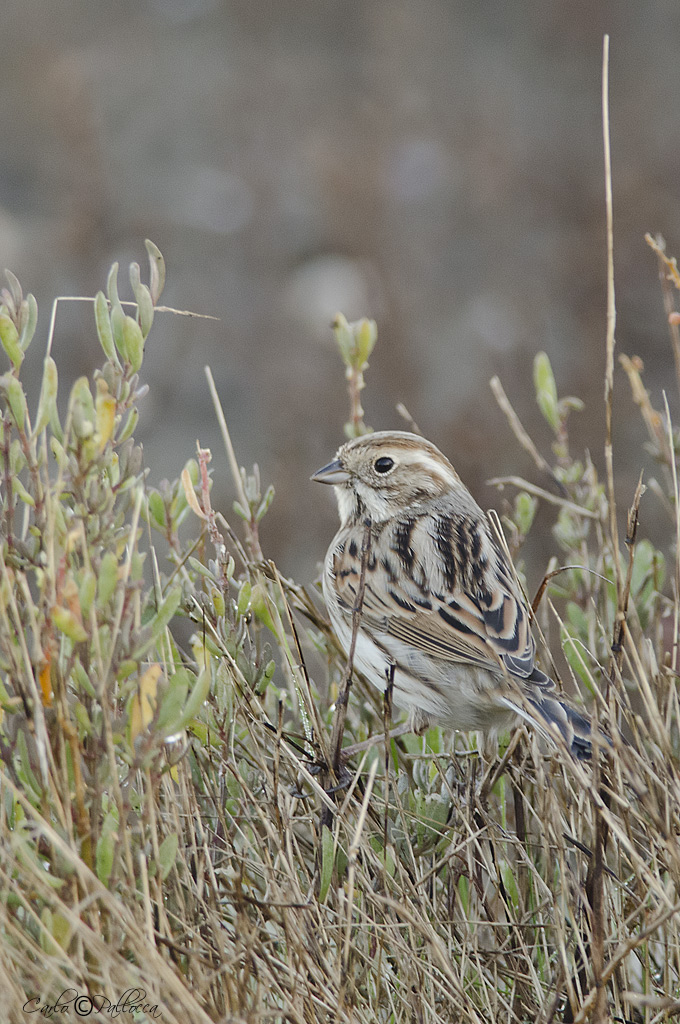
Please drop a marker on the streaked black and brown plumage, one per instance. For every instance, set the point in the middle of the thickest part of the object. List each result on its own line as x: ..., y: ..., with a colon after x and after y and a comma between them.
x: 441, y: 608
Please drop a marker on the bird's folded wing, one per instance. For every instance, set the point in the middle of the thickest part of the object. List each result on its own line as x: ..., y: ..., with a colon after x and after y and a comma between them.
x: 492, y: 632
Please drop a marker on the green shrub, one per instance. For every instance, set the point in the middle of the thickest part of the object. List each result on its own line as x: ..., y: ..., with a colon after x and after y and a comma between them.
x: 169, y: 821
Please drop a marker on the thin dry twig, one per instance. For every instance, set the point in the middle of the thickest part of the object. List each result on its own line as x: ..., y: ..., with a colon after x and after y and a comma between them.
x: 252, y: 538
x: 676, y: 567
x: 668, y: 271
x: 343, y: 697
x: 611, y: 321
x: 539, y: 492
x: 521, y: 434
x: 448, y: 888
x: 653, y: 420
x: 594, y: 887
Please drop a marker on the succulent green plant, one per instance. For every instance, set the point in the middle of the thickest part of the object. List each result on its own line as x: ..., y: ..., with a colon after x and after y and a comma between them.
x: 170, y: 822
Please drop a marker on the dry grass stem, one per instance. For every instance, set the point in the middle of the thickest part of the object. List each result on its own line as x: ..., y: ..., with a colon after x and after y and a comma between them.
x: 183, y: 814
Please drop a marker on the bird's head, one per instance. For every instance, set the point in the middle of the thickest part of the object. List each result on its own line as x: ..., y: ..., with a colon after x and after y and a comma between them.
x: 386, y: 474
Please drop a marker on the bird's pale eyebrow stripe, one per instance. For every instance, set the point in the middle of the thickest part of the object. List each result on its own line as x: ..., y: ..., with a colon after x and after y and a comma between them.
x: 432, y: 465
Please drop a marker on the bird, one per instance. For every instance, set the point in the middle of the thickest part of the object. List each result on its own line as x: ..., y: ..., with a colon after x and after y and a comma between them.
x: 440, y: 616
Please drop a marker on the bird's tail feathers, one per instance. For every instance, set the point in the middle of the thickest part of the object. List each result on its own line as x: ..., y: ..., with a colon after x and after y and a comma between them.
x: 552, y: 717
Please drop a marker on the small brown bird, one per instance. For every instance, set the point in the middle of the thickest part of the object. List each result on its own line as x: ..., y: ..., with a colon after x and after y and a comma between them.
x: 441, y: 613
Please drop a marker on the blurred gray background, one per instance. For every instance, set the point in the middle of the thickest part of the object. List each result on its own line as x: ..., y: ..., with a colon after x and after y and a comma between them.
x: 436, y: 164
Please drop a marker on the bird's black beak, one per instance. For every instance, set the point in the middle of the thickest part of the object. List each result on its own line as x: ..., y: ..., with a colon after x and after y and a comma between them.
x: 333, y: 473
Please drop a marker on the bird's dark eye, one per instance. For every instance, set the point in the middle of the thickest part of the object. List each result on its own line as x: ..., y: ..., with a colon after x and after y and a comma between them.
x: 384, y: 464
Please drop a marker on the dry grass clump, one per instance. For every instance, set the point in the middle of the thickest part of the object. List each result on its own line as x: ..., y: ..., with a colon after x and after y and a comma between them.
x: 172, y: 836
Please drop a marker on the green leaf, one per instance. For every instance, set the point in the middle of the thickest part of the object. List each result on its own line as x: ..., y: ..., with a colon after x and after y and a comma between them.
x: 86, y: 592
x: 341, y: 862
x: 22, y: 493
x: 133, y: 343
x: 196, y: 700
x: 22, y: 766
x: 61, y: 930
x: 264, y: 505
x: 29, y: 310
x: 355, y: 340
x: 17, y: 457
x: 47, y: 405
x: 199, y: 730
x: 117, y: 318
x: 82, y: 680
x: 47, y: 943
x: 106, y: 846
x: 244, y: 598
x: 525, y: 510
x: 218, y: 601
x: 144, y: 301
x: 386, y: 858
x: 647, y: 564
x: 366, y: 332
x: 578, y: 621
x: 510, y: 883
x: 343, y: 338
x: 15, y: 288
x: 82, y: 718
x: 69, y: 624
x: 16, y: 398
x: 126, y: 668
x: 6, y: 701
x: 327, y: 858
x: 9, y: 337
x: 464, y: 893
x: 241, y: 511
x: 191, y: 467
x: 81, y: 404
x: 108, y: 577
x: 157, y: 509
x: 112, y: 286
x: 173, y: 700
x: 103, y: 322
x: 129, y: 426
x: 167, y: 853
x: 260, y: 604
x: 198, y: 567
x: 157, y: 269
x: 167, y: 610
x: 546, y: 390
